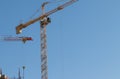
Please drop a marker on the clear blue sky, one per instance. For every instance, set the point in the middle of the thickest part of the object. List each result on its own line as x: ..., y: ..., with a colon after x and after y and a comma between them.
x: 83, y: 40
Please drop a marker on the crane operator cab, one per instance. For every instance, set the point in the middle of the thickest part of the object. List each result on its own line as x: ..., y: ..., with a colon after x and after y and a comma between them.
x: 45, y: 21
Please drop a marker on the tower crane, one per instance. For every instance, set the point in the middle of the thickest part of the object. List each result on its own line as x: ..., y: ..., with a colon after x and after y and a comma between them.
x: 44, y: 21
x: 11, y: 38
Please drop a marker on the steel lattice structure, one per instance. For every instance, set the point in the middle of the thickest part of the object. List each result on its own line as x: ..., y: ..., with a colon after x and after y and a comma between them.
x: 44, y: 21
x: 44, y: 69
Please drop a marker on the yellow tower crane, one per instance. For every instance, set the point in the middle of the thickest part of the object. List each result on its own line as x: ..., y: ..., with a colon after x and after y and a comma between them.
x: 44, y: 21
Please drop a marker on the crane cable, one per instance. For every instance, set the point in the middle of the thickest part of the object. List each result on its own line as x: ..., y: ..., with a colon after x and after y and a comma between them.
x: 45, y: 3
x: 34, y: 13
x: 38, y: 10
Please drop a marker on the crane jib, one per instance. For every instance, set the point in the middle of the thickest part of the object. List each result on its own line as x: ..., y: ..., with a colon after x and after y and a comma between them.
x: 21, y: 26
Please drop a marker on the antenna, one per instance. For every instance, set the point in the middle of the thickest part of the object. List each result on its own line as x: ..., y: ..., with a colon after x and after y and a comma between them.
x: 23, y: 72
x: 0, y: 71
x: 19, y: 76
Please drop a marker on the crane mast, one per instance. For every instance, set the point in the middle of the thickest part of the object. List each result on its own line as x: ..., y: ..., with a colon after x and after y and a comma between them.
x: 44, y: 21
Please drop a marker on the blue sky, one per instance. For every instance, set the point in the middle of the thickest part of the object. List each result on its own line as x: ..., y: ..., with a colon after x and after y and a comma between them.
x: 83, y: 40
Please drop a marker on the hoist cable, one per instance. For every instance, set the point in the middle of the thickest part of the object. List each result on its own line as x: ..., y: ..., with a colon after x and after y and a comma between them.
x: 47, y: 2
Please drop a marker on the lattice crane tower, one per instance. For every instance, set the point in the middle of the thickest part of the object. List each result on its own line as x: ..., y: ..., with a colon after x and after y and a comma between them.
x: 44, y: 21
